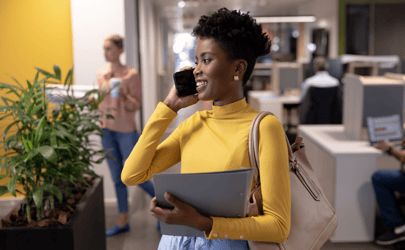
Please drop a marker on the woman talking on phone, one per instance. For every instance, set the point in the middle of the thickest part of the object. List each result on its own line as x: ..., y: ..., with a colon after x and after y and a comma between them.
x: 228, y: 44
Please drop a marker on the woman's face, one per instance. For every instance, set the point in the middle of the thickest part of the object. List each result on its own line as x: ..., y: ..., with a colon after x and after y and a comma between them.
x: 214, y: 74
x: 111, y: 51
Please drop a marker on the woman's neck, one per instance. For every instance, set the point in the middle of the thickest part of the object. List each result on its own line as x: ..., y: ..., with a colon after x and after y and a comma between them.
x: 116, y: 67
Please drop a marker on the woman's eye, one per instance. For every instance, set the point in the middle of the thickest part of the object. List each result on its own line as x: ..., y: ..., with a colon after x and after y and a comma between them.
x: 206, y: 60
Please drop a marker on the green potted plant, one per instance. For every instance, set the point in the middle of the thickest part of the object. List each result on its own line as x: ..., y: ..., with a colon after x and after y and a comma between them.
x: 50, y: 151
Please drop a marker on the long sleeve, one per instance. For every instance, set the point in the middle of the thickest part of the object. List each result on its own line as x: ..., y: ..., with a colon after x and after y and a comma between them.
x: 131, y: 91
x: 122, y: 108
x: 147, y: 157
x: 274, y: 225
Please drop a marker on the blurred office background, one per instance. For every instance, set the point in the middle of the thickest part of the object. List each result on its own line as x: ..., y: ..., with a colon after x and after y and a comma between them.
x: 360, y: 38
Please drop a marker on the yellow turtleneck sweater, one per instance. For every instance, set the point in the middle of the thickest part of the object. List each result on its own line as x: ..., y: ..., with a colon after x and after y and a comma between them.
x: 217, y: 140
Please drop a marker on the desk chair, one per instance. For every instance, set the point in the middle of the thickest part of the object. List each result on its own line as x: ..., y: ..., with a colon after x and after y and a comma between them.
x: 321, y: 106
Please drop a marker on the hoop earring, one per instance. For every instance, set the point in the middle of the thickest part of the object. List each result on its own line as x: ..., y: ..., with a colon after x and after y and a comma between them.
x: 236, y: 78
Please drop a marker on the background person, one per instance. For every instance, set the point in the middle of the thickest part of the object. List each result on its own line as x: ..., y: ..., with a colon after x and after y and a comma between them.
x: 384, y: 183
x: 120, y: 133
x: 321, y: 79
x: 228, y: 44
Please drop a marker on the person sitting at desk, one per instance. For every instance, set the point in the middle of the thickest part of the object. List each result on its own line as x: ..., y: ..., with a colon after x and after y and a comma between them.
x: 320, y: 101
x: 384, y: 183
x: 321, y: 78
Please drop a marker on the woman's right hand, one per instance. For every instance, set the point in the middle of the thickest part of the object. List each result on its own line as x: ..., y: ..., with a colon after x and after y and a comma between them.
x: 175, y: 102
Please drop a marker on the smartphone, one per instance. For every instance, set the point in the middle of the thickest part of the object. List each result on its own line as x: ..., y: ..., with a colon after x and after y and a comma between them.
x: 185, y: 83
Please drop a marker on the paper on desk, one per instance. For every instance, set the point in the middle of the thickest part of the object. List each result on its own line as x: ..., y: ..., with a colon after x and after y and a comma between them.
x: 219, y: 194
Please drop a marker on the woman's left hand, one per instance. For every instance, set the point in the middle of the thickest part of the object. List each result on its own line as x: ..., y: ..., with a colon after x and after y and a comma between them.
x: 181, y: 214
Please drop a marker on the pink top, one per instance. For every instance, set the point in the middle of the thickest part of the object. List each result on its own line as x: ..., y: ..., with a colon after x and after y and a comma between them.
x: 122, y: 108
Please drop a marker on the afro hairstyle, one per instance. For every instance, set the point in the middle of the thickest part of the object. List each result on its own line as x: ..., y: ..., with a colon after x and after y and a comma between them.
x: 237, y: 34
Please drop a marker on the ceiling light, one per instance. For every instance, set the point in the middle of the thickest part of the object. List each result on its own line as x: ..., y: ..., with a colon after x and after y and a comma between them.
x: 311, y: 47
x: 181, y: 4
x: 275, y: 47
x: 286, y: 19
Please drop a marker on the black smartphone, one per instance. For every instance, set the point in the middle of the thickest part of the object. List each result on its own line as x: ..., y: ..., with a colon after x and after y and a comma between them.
x: 185, y: 83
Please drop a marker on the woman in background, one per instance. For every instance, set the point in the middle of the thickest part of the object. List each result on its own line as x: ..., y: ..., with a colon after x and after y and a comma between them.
x: 120, y: 133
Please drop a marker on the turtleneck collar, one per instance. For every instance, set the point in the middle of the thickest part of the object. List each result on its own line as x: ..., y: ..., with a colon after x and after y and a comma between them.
x: 228, y: 109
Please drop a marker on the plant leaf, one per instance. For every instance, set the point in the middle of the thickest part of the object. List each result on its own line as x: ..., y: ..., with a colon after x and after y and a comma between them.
x: 29, y: 84
x: 48, y: 153
x: 9, y: 87
x: 100, y: 160
x: 37, y: 108
x: 5, y: 101
x: 31, y: 155
x: 39, y: 131
x: 36, y: 78
x: 25, y: 144
x: 29, y: 109
x: 43, y: 80
x: 17, y: 82
x: 38, y: 195
x: 56, y: 69
x: 11, y: 186
x: 5, y: 116
x: 68, y: 78
x: 9, y: 127
x: 54, y: 142
x: 49, y: 75
x: 3, y: 190
x: 53, y: 190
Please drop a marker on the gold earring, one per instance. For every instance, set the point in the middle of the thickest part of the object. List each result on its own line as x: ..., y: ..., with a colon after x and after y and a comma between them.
x: 236, y: 78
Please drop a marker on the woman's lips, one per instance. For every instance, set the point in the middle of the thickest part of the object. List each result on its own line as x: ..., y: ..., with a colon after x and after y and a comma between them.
x: 201, y: 85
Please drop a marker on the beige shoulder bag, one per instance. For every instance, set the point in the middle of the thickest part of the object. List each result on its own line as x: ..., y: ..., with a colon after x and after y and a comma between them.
x: 313, y: 219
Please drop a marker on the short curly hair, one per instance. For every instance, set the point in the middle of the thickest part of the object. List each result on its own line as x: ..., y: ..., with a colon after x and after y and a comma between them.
x: 237, y: 34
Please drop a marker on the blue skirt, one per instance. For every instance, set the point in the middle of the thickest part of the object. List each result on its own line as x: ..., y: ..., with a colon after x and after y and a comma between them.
x: 169, y: 242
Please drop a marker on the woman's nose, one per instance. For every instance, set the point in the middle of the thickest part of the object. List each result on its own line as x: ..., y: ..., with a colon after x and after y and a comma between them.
x: 197, y: 71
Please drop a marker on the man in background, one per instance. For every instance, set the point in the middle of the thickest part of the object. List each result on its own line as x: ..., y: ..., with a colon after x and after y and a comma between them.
x: 321, y: 79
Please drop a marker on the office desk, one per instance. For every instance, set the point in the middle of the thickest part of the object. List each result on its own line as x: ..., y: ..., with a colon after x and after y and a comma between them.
x: 266, y: 101
x: 344, y: 169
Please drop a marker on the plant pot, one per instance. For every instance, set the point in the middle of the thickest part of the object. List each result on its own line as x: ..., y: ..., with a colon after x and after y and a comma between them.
x: 85, y: 229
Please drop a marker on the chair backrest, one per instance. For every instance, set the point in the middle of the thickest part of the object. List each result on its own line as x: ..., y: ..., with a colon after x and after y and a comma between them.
x: 321, y: 106
x: 335, y: 68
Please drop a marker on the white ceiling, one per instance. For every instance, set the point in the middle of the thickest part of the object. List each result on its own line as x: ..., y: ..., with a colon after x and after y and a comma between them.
x: 187, y: 17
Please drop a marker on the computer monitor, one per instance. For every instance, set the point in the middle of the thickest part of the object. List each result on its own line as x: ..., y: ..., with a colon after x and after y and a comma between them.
x: 286, y: 75
x: 363, y: 68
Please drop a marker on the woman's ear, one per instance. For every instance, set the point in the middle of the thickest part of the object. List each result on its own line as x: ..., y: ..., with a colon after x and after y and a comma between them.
x: 241, y: 67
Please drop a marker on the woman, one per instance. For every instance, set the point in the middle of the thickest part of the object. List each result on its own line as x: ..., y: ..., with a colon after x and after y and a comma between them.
x: 120, y: 134
x: 228, y: 43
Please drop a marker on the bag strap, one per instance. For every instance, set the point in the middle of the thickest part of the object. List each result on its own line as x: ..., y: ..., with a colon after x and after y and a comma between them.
x: 254, y: 146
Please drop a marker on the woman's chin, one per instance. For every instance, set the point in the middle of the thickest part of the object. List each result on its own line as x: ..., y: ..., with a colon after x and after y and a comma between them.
x: 202, y: 96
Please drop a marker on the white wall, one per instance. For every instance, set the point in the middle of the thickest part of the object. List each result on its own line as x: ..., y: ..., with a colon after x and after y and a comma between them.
x: 327, y: 16
x: 92, y: 22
